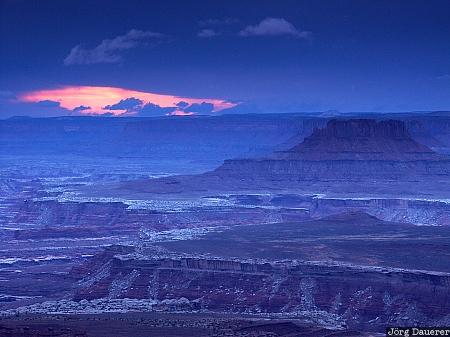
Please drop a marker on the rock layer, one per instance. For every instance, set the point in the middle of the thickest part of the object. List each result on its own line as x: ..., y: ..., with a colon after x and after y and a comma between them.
x: 349, y: 295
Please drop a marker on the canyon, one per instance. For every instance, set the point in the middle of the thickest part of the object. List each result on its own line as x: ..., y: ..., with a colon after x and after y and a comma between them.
x: 277, y: 225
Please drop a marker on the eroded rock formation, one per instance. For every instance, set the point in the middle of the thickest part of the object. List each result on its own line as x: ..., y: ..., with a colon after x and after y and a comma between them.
x: 342, y: 294
x: 361, y: 149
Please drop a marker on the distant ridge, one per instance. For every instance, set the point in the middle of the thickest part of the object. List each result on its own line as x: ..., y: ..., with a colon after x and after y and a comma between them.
x: 19, y: 117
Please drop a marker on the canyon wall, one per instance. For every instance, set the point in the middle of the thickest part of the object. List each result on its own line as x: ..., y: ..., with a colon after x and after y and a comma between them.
x: 357, y: 296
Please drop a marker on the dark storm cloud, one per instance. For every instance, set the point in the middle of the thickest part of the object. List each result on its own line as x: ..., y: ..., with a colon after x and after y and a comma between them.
x: 137, y: 106
x: 274, y: 27
x: 48, y: 104
x: 182, y: 104
x: 129, y: 104
x: 108, y: 51
x: 106, y: 114
x: 200, y: 108
x: 81, y: 108
x: 151, y: 109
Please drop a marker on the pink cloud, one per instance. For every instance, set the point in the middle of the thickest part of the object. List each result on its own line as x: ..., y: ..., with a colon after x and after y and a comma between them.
x: 97, y: 99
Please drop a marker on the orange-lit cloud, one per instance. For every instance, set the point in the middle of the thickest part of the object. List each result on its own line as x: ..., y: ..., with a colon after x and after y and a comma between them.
x: 95, y: 100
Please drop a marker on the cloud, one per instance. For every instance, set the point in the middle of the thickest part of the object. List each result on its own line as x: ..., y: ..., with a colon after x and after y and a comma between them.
x: 137, y: 106
x: 207, y: 33
x: 217, y: 22
x: 151, y: 109
x: 180, y: 113
x: 106, y: 114
x: 108, y: 51
x: 81, y: 108
x: 274, y: 27
x: 130, y: 104
x: 120, y: 101
x: 443, y: 77
x: 47, y: 103
x: 200, y: 108
x: 182, y: 104
x: 244, y: 108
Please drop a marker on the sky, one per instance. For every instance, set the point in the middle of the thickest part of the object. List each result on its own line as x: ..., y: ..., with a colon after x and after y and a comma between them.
x: 156, y: 58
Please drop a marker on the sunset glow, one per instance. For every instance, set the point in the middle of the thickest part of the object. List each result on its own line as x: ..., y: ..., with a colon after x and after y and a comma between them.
x: 96, y: 100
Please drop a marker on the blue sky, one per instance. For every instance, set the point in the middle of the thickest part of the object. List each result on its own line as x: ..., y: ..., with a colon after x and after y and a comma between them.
x: 233, y: 56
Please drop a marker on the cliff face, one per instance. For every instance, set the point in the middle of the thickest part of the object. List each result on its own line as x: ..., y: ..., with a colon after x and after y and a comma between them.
x: 73, y: 219
x: 420, y: 212
x: 360, y: 139
x: 338, y: 294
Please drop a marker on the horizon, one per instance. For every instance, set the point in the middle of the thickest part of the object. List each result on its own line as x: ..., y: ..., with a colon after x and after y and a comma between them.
x: 330, y: 114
